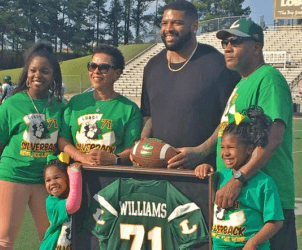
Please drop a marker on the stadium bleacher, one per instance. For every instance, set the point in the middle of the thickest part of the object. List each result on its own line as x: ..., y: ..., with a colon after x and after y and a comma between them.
x: 282, y: 49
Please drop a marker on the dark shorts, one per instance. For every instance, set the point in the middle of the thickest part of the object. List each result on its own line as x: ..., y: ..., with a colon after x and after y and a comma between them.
x: 286, y: 238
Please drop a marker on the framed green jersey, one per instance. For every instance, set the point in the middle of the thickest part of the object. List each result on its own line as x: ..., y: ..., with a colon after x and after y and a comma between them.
x: 135, y: 215
x: 135, y: 208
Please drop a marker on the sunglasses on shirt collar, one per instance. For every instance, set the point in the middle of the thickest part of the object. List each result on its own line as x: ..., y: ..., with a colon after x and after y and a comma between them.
x: 103, y: 68
x: 236, y: 41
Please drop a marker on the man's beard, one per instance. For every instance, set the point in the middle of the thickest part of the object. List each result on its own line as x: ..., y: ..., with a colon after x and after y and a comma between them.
x: 179, y: 42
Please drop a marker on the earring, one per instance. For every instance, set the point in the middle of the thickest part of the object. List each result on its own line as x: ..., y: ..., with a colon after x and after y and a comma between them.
x: 53, y: 86
x: 27, y: 83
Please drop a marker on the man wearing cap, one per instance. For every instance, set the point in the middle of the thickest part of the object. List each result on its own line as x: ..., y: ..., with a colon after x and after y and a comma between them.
x: 264, y: 86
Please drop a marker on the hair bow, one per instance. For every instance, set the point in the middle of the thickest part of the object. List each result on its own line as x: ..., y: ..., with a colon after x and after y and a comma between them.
x: 238, y: 118
x: 63, y: 157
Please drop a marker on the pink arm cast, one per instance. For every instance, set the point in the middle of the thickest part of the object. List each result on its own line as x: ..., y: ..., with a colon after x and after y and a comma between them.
x: 74, y: 199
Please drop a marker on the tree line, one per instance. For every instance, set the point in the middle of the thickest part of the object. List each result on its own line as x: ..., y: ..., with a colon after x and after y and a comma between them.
x: 78, y: 25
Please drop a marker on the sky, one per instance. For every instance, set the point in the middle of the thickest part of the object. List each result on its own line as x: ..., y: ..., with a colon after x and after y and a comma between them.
x: 261, y: 8
x: 258, y: 8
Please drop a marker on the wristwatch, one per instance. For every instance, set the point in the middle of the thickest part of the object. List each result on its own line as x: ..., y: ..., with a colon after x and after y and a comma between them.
x: 238, y: 175
x: 118, y: 160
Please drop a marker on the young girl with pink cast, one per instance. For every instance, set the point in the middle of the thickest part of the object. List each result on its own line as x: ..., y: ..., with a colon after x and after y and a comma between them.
x: 64, y: 185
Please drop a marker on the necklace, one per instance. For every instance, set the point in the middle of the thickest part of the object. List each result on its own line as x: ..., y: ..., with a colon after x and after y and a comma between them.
x: 103, y: 104
x: 32, y: 101
x: 186, y: 62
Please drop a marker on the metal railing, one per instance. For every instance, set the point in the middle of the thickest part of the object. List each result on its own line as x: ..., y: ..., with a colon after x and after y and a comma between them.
x: 130, y: 92
x: 277, y: 57
x: 218, y: 24
x: 284, y: 28
x: 296, y: 81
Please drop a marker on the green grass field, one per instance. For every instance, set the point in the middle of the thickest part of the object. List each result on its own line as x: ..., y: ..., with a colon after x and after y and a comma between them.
x: 28, y: 239
x: 297, y: 152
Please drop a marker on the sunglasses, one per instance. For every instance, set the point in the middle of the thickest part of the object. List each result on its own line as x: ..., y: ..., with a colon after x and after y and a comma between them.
x: 235, y: 41
x: 103, y: 68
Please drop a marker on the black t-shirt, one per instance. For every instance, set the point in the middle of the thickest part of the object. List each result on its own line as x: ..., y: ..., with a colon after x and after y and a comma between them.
x: 186, y: 106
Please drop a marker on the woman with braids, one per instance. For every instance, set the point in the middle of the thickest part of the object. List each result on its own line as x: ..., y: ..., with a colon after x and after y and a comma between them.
x: 257, y: 213
x: 29, y: 124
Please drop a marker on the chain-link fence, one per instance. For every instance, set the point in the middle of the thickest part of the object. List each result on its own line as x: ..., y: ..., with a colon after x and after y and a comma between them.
x: 204, y: 26
x: 218, y: 24
x: 76, y: 83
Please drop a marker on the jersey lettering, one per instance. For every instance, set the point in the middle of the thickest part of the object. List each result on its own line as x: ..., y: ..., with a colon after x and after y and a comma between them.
x: 97, y: 215
x: 145, y: 208
x: 185, y: 227
x: 155, y: 236
x: 138, y: 231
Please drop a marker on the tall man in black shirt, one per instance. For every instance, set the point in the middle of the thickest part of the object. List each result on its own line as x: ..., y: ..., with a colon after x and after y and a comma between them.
x: 185, y: 88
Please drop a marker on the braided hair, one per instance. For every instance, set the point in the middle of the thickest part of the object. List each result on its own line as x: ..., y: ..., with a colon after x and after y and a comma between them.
x: 44, y: 50
x: 255, y: 132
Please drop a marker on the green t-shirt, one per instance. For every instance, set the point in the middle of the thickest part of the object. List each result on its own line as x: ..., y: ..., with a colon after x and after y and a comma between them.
x: 267, y: 88
x: 58, y: 235
x: 28, y: 138
x: 145, y: 215
x: 257, y: 203
x: 111, y: 125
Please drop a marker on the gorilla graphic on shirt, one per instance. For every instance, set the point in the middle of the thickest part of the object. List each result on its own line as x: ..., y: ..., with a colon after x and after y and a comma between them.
x: 91, y: 133
x: 38, y: 131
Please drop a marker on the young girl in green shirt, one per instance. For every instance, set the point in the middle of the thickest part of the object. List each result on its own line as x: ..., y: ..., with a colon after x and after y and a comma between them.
x: 257, y: 213
x: 64, y: 185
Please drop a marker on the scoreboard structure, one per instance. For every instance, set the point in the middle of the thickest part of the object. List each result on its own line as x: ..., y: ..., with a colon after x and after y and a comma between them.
x: 288, y: 9
x: 201, y: 192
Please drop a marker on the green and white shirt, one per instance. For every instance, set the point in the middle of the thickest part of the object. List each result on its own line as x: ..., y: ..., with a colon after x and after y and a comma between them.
x: 58, y: 235
x: 28, y: 137
x: 111, y: 125
x: 257, y: 203
x: 141, y: 215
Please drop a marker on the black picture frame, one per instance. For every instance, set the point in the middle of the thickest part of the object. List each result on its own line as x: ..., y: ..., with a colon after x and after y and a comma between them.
x: 95, y: 178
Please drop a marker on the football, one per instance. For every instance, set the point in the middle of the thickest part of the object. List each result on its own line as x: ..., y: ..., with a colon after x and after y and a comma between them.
x: 152, y: 153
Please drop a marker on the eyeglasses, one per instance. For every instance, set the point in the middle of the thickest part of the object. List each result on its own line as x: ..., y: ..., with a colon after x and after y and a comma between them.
x: 235, y: 41
x: 103, y: 68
